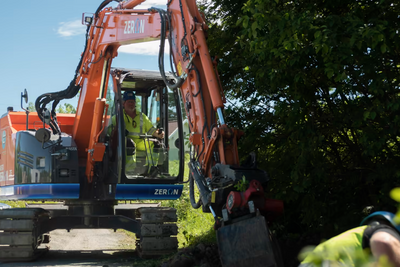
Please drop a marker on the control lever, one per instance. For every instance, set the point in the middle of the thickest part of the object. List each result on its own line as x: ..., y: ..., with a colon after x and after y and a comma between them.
x: 160, y: 130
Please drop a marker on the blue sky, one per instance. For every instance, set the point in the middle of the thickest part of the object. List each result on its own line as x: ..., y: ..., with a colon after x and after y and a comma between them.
x: 41, y: 44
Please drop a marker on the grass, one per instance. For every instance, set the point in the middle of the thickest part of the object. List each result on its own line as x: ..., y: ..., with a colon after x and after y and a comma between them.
x: 14, y: 204
x: 194, y: 225
x: 130, y: 240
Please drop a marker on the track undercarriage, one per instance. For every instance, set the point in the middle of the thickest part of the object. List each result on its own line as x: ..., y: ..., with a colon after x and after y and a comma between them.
x: 20, y: 234
x: 23, y: 230
x: 158, y: 232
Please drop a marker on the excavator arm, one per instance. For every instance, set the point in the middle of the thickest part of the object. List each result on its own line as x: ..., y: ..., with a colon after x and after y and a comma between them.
x: 235, y: 194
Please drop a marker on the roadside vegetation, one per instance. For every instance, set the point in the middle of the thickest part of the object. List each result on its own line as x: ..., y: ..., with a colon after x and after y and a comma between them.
x: 194, y: 225
x: 314, y: 85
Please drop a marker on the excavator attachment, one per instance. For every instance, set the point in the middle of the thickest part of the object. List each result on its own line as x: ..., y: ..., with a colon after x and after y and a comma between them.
x: 248, y: 242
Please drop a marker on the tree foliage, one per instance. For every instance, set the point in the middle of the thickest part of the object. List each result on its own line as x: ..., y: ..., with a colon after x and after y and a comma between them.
x: 314, y: 85
x: 31, y: 107
x: 66, y: 108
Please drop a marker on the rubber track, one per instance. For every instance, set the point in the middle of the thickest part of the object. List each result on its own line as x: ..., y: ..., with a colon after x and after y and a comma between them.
x: 158, y: 232
x: 19, y: 238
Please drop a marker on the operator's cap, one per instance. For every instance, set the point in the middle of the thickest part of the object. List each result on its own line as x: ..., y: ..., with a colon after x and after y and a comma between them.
x: 382, y: 215
x: 129, y: 95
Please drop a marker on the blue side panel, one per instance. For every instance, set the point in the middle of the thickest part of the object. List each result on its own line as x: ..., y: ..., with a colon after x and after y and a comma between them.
x: 148, y: 191
x: 71, y: 191
x: 40, y: 191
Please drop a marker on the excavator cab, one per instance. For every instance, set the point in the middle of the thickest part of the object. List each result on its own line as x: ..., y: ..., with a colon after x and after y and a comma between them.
x: 140, y: 157
x: 45, y: 165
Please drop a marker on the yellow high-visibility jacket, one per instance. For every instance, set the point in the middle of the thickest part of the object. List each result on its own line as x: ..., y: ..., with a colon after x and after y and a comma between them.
x: 342, y: 249
x: 143, y: 126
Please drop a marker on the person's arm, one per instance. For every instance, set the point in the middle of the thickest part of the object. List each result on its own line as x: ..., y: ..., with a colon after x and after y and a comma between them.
x: 158, y: 134
x: 148, y: 127
x: 384, y: 243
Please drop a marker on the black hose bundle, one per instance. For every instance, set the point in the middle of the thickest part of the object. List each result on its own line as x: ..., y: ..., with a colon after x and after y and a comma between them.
x: 71, y: 91
x: 166, y: 18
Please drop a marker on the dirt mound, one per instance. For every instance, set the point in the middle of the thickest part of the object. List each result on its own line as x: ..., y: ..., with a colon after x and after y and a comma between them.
x: 201, y: 255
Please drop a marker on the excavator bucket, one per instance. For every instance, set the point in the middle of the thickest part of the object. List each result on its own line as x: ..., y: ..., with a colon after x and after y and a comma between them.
x: 248, y: 243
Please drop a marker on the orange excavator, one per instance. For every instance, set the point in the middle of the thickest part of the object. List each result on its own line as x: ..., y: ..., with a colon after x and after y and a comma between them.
x: 90, y: 163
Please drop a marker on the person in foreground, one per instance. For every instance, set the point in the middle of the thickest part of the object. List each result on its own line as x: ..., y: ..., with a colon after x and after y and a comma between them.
x: 376, y: 242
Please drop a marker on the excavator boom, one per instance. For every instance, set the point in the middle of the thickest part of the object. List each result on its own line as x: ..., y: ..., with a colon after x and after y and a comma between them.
x: 111, y: 164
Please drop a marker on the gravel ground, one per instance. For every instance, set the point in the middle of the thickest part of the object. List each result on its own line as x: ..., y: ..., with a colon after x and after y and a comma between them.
x: 82, y: 247
x: 106, y: 248
x: 83, y: 239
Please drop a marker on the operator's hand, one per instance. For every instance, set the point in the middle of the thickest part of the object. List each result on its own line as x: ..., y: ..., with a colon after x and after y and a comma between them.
x: 159, y: 134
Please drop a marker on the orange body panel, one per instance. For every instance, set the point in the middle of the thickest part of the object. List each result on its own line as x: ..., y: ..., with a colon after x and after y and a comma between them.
x: 95, y: 150
x: 17, y: 121
x: 7, y: 151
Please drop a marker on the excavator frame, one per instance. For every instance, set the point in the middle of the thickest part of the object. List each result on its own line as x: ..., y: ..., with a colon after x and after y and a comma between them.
x: 47, y: 169
x: 234, y: 192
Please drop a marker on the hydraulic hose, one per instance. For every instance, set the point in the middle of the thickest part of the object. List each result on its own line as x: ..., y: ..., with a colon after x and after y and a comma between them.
x: 178, y: 80
x: 195, y: 204
x: 71, y: 91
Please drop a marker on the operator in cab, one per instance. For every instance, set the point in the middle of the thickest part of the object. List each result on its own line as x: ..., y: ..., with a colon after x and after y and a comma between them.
x: 137, y: 123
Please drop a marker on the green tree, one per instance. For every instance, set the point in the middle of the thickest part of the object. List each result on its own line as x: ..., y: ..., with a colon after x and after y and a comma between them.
x: 66, y: 108
x: 319, y: 101
x: 31, y: 107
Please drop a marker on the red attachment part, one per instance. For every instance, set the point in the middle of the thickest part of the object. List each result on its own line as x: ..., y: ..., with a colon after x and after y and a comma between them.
x: 238, y: 199
x: 234, y: 200
x: 255, y: 192
x: 255, y: 188
x: 273, y: 205
x: 273, y: 208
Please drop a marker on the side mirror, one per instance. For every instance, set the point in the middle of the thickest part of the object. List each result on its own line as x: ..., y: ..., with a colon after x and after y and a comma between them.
x: 24, y: 96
